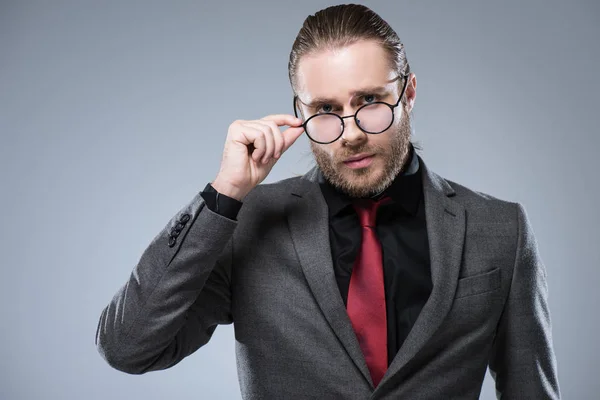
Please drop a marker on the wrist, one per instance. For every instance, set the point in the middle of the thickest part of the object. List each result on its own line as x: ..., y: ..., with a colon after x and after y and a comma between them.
x: 228, y: 189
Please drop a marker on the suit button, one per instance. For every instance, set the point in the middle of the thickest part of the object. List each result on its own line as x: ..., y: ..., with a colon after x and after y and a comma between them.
x: 179, y: 227
x: 184, y: 218
x: 172, y: 241
x: 174, y: 232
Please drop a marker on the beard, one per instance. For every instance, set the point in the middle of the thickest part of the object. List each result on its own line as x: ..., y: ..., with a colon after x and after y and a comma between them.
x: 368, y: 181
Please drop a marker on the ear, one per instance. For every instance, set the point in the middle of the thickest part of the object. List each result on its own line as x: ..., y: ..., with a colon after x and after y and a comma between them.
x: 411, y: 92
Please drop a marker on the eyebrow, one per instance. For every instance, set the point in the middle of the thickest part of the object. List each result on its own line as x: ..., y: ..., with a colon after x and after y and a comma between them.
x: 355, y: 93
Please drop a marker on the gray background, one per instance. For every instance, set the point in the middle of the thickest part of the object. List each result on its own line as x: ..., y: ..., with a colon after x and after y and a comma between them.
x: 113, y: 115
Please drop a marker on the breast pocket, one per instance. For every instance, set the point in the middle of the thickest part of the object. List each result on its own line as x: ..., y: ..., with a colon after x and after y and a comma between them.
x: 478, y: 284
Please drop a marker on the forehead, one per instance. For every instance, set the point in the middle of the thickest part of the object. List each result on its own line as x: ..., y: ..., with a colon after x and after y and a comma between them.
x: 336, y: 73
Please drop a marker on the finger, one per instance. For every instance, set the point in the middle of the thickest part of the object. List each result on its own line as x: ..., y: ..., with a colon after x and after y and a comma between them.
x: 277, y: 136
x: 255, y: 137
x: 283, y: 119
x: 269, y: 138
x: 290, y: 135
x: 279, y: 142
x: 260, y: 146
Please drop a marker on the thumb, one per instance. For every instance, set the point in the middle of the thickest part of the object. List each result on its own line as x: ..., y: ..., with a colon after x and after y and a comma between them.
x: 290, y: 135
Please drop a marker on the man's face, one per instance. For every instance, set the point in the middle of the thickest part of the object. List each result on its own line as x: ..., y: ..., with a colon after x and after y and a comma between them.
x: 335, y: 76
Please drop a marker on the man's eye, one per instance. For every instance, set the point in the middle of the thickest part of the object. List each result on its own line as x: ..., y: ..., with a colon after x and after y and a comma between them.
x: 369, y: 98
x: 326, y: 108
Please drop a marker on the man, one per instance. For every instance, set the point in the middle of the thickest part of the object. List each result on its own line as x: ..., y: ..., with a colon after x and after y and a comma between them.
x: 370, y: 277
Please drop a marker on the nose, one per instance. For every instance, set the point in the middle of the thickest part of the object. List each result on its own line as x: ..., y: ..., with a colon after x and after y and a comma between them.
x: 352, y: 133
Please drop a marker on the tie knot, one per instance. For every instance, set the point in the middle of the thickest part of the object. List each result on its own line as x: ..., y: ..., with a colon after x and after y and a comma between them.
x: 367, y: 210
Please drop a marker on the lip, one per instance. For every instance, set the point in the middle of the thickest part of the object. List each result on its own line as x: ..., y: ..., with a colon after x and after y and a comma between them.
x: 358, y: 157
x: 360, y: 161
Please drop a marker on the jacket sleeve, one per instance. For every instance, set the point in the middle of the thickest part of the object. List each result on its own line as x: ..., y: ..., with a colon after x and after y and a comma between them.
x: 176, y: 295
x: 522, y: 361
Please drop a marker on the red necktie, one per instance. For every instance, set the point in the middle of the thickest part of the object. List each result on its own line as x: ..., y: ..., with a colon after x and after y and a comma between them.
x: 366, y: 294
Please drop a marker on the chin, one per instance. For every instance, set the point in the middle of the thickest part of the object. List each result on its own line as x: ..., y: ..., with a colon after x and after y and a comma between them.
x: 363, y: 180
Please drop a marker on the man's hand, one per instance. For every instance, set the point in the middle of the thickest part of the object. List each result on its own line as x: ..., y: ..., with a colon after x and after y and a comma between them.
x: 251, y: 150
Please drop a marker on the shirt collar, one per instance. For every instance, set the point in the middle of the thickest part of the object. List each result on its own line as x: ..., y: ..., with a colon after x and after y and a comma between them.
x: 405, y: 190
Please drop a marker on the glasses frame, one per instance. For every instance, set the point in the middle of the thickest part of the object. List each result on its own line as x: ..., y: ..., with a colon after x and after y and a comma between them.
x: 391, y: 106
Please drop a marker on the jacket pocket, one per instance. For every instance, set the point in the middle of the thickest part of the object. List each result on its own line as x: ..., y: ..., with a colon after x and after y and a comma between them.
x: 478, y: 284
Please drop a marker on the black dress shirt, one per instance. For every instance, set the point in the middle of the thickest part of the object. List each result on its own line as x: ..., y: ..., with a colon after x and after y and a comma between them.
x: 402, y: 232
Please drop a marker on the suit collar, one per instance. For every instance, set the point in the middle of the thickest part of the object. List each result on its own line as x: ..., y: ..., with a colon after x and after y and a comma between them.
x: 309, y: 227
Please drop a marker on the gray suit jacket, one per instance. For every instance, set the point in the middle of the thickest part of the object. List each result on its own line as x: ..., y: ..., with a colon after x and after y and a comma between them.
x: 270, y: 273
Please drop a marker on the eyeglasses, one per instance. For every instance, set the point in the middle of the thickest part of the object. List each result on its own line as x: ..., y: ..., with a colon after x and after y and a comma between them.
x: 372, y: 118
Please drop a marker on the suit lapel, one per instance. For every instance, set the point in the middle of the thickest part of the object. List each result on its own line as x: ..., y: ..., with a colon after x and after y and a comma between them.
x: 446, y: 227
x: 309, y: 227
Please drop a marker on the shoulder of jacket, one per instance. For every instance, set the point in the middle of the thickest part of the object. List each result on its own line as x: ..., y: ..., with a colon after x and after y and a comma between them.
x: 484, y: 206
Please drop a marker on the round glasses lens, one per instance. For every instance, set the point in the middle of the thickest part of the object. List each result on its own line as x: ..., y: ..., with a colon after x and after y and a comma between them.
x: 375, y: 118
x: 324, y: 128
